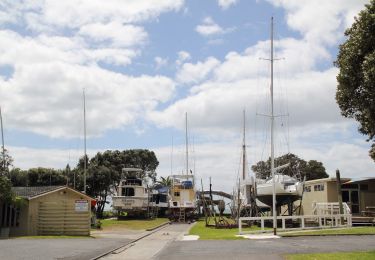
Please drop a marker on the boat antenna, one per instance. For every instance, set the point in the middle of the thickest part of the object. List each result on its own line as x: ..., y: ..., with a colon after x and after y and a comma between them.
x: 186, y: 142
x: 2, y: 140
x: 84, y: 142
x: 272, y: 139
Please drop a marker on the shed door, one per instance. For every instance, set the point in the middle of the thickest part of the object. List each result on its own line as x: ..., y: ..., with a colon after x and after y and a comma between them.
x: 61, y: 218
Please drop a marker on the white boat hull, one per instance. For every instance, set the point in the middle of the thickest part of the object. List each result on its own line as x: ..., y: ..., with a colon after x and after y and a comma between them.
x: 126, y: 203
x: 285, y: 193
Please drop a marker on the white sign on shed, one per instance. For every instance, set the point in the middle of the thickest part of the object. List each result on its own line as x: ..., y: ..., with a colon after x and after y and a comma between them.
x: 81, y: 205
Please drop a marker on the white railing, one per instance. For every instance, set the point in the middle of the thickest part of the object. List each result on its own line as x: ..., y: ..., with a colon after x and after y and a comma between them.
x: 321, y: 208
x: 305, y: 221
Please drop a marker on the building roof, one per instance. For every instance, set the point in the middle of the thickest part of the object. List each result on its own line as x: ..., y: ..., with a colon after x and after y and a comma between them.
x: 360, y: 179
x: 329, y: 179
x: 33, y: 192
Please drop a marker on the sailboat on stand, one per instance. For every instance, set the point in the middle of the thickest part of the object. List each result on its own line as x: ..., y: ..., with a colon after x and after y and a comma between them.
x: 278, y: 189
x: 183, y: 203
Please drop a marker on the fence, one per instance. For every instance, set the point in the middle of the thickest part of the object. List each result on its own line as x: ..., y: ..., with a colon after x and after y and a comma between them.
x: 305, y: 221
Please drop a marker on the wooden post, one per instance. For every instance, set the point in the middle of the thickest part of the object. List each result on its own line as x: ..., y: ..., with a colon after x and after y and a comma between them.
x: 339, y: 194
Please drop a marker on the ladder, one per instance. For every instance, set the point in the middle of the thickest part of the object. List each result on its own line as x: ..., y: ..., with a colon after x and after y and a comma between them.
x: 181, y: 216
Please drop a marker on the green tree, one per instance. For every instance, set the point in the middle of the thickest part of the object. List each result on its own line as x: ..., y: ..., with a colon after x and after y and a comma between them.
x: 356, y: 79
x: 6, y: 194
x: 18, y: 177
x: 297, y: 167
x: 4, y: 167
x: 45, y: 177
x: 105, y: 170
x: 98, y: 186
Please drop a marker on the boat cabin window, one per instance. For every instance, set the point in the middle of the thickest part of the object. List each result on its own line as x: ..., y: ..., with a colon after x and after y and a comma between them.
x: 177, y: 193
x: 163, y: 198
x: 319, y: 187
x: 134, y: 182
x: 127, y: 191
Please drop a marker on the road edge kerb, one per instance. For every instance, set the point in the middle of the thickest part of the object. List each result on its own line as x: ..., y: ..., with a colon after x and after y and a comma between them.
x: 161, y: 225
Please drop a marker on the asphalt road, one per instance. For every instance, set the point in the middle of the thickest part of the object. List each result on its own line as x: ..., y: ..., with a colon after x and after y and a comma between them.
x: 263, y: 249
x: 65, y: 248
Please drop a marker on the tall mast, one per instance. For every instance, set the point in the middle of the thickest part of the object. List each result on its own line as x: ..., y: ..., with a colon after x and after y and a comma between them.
x: 186, y: 141
x: 244, y: 147
x: 2, y: 140
x: 84, y: 138
x: 272, y: 139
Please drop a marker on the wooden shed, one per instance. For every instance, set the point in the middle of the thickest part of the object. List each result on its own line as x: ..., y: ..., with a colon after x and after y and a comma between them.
x: 50, y: 210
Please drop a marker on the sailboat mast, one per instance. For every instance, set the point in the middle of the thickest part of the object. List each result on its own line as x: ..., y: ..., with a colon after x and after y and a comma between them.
x: 84, y: 137
x: 244, y: 148
x: 272, y: 139
x: 2, y: 140
x: 186, y: 142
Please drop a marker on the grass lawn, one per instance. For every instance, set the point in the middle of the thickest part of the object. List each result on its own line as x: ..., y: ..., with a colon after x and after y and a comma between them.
x: 137, y: 224
x: 211, y: 233
x: 344, y: 231
x: 341, y: 256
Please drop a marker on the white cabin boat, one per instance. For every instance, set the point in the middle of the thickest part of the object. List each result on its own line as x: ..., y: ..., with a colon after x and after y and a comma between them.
x: 183, y: 201
x: 132, y: 193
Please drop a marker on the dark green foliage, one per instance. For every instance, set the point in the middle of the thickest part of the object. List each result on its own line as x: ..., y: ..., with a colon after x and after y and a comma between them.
x: 37, y: 177
x: 8, y: 162
x: 104, y: 171
x: 45, y: 177
x: 311, y: 169
x: 356, y: 79
x: 18, y: 177
x: 5, y: 190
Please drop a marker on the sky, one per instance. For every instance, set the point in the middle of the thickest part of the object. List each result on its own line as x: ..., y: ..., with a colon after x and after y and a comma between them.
x: 143, y: 64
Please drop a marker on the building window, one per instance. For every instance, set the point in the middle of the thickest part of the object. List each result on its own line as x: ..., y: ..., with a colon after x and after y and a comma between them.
x: 319, y: 187
x: 127, y: 191
x: 177, y: 193
x: 307, y: 189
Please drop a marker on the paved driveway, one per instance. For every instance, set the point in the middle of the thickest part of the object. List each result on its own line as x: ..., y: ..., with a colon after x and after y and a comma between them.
x: 64, y: 248
x: 263, y: 249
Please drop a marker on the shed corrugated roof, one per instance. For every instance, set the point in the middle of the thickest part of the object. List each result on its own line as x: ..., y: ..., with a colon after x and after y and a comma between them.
x: 29, y: 192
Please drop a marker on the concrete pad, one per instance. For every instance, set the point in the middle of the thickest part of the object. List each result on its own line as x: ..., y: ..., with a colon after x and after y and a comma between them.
x: 190, y: 237
x: 258, y: 236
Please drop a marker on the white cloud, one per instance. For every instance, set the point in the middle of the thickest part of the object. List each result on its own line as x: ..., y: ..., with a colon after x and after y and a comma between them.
x: 225, y: 4
x: 119, y: 35
x: 59, y: 53
x: 160, y: 62
x: 209, y: 27
x: 182, y: 56
x: 73, y: 14
x: 320, y: 20
x: 43, y: 95
x: 194, y: 73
